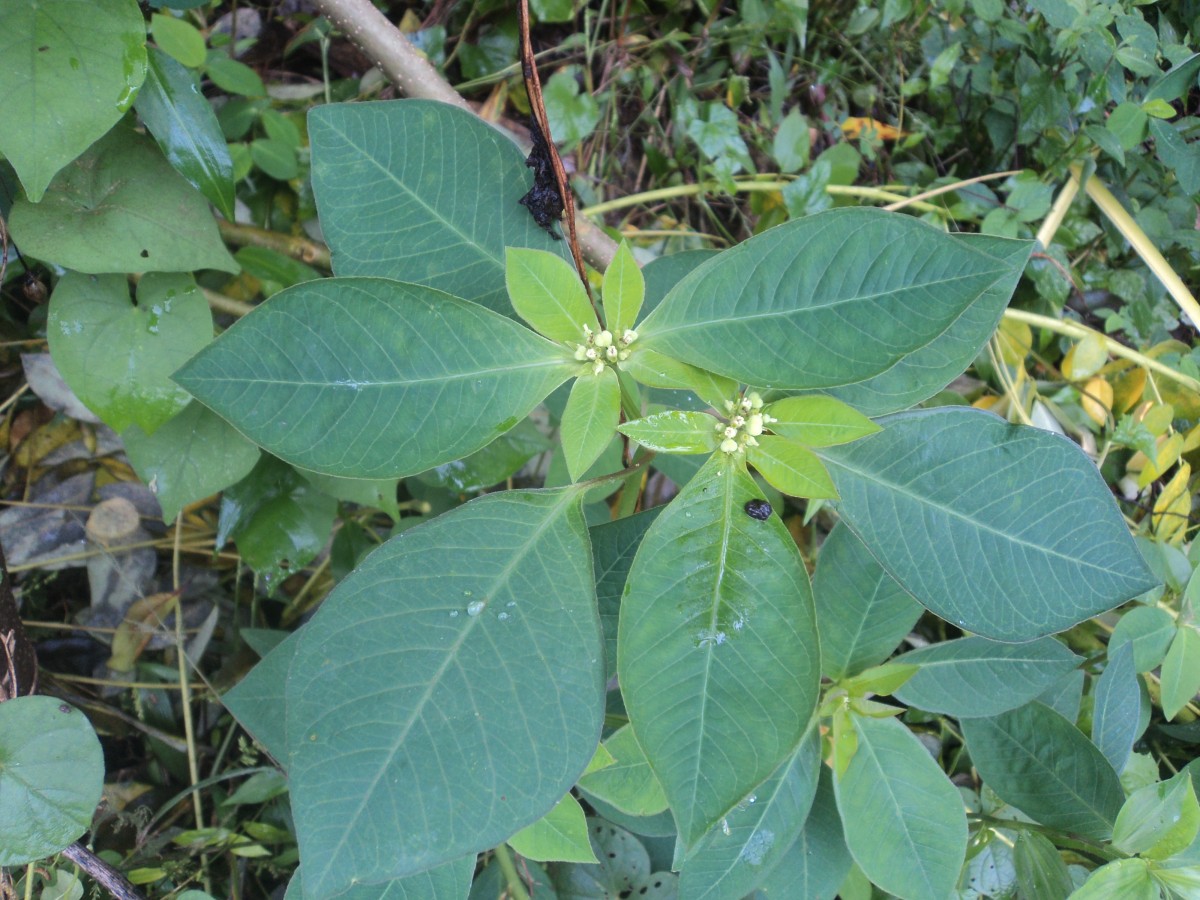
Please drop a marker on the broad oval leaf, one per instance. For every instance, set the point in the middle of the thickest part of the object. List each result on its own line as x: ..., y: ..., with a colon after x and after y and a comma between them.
x: 1116, y: 707
x: 51, y: 777
x: 862, y: 613
x: 448, y: 692
x: 96, y: 218
x: 424, y: 192
x: 449, y: 881
x: 817, y: 862
x: 614, y: 544
x: 1159, y: 820
x: 790, y: 468
x: 674, y: 431
x: 559, y: 836
x: 257, y: 701
x: 1040, y: 869
x: 186, y: 128
x: 628, y: 783
x: 829, y: 299
x: 921, y: 374
x: 546, y: 292
x: 370, y: 378
x: 117, y: 355
x: 190, y: 457
x: 973, y: 676
x: 1041, y: 763
x: 717, y: 649
x: 735, y: 857
x: 1181, y: 670
x: 1038, y: 543
x: 904, y: 820
x: 590, y: 419
x: 72, y: 67
x: 817, y: 421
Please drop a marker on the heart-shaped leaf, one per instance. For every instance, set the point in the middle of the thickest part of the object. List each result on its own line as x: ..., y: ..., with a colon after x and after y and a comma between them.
x: 372, y: 172
x: 72, y: 69
x: 51, y: 777
x: 1037, y: 536
x: 95, y: 218
x: 448, y: 692
x: 117, y: 355
x: 717, y: 650
x: 406, y: 377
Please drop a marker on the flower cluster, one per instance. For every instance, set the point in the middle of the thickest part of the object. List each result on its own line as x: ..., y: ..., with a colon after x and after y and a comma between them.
x: 746, y: 422
x: 599, y: 348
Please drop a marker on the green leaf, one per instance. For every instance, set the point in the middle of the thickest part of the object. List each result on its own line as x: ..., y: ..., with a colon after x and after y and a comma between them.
x: 372, y: 167
x: 793, y: 142
x: 862, y: 613
x: 790, y: 468
x: 1128, y: 879
x: 561, y: 835
x: 656, y: 370
x: 407, y: 378
x: 829, y: 299
x: 275, y: 158
x: 904, y: 820
x: 624, y: 870
x: 589, y: 420
x: 51, y: 777
x: 973, y: 676
x: 72, y: 68
x: 497, y: 461
x: 1036, y: 533
x: 922, y: 373
x: 674, y: 431
x: 257, y: 701
x: 96, y: 218
x: 232, y: 76
x: 1150, y: 630
x: 448, y: 692
x: 818, y: 861
x: 1182, y: 881
x: 734, y: 858
x: 817, y: 421
x: 717, y: 653
x: 117, y: 356
x: 1181, y: 671
x: 1040, y: 763
x: 573, y: 114
x: 1116, y: 707
x: 1041, y: 871
x: 613, y: 547
x: 178, y: 39
x: 186, y: 129
x: 279, y: 521
x: 628, y: 784
x: 1128, y: 123
x: 1177, y: 82
x: 1159, y: 820
x: 552, y: 10
x: 624, y: 291
x: 191, y: 456
x: 546, y: 292
x: 449, y: 881
x: 275, y: 270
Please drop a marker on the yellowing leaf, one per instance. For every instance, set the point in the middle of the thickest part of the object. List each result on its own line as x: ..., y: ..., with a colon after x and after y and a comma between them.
x: 987, y: 401
x: 1015, y: 340
x: 1157, y: 419
x: 1097, y: 400
x: 855, y: 126
x: 1128, y: 388
x: 1172, y: 507
x: 1168, y: 454
x: 1085, y: 359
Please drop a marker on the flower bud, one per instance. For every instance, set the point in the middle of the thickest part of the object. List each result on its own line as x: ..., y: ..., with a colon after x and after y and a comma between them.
x: 729, y: 445
x: 756, y: 424
x: 604, y: 339
x: 611, y: 352
x: 581, y: 353
x: 628, y: 337
x: 597, y: 367
x: 730, y: 432
x: 756, y: 402
x: 590, y: 353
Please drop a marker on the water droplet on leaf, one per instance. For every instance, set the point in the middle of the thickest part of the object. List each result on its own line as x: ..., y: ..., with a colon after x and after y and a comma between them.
x: 475, y: 607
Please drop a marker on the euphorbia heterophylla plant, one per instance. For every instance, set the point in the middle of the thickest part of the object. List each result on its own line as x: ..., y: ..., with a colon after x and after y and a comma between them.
x: 451, y: 693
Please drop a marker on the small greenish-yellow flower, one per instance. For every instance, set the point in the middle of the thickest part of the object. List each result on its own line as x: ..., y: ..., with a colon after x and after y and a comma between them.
x: 750, y: 441
x: 730, y: 431
x: 611, y: 352
x: 756, y: 402
x: 597, y: 367
x: 623, y: 355
x: 756, y: 424
x: 581, y: 353
x: 604, y: 339
x: 590, y: 353
x: 737, y: 421
x: 729, y: 445
x: 628, y: 337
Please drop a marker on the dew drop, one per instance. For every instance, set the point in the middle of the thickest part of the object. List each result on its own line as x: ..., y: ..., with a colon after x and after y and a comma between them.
x: 454, y: 613
x: 466, y: 593
x: 502, y: 616
x: 475, y: 607
x: 511, y: 603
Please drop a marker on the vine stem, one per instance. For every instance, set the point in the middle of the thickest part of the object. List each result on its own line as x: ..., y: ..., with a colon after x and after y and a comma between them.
x: 104, y: 874
x: 406, y: 68
x: 1096, y: 851
x: 516, y: 887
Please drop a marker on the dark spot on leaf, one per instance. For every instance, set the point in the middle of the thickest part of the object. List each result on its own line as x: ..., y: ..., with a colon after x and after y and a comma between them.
x: 43, y: 48
x: 625, y: 893
x: 612, y: 855
x: 658, y: 883
x: 62, y: 707
x: 758, y: 509
x: 145, y: 254
x: 643, y: 890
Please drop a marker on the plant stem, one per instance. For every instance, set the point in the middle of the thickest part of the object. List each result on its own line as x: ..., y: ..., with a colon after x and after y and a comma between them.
x: 104, y: 874
x: 1142, y: 245
x: 516, y: 887
x: 1079, y: 330
x: 310, y: 252
x: 1097, y: 851
x: 947, y: 188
